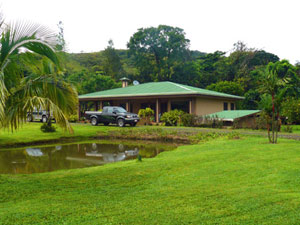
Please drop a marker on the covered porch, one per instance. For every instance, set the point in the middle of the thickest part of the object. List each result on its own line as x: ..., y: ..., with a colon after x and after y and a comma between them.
x: 159, y: 105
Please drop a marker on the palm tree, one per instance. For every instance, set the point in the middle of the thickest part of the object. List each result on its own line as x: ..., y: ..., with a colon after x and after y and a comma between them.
x: 20, y: 94
x: 273, y: 86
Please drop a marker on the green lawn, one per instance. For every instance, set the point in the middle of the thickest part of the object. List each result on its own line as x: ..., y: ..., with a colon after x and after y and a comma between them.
x: 244, y: 181
x: 296, y: 128
x: 31, y: 133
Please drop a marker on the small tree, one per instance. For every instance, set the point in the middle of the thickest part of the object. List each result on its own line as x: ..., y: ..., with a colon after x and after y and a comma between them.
x: 273, y: 86
x: 146, y: 113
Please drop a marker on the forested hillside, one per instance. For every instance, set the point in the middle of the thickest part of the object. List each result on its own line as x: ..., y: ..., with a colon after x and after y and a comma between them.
x: 163, y: 54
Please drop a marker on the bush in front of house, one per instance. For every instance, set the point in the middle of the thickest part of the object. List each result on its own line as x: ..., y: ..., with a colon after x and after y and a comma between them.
x: 48, y: 128
x: 73, y: 118
x: 178, y: 118
x: 189, y: 120
x: 172, y: 118
x: 212, y: 122
x: 146, y: 114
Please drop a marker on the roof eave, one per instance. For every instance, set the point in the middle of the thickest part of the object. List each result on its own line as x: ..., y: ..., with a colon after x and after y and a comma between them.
x: 163, y: 94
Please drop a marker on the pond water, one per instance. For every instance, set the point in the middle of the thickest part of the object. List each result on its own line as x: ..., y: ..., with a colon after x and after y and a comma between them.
x: 70, y: 156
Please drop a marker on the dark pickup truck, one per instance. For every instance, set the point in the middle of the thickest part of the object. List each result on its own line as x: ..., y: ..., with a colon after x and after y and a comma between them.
x: 112, y: 114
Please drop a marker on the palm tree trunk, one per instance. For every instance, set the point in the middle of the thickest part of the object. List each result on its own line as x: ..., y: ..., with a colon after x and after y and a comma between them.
x: 277, y: 125
x: 269, y: 134
x: 273, y: 119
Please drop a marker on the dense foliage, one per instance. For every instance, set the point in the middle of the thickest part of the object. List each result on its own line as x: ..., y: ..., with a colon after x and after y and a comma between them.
x: 162, y: 54
x: 172, y: 118
x: 146, y: 114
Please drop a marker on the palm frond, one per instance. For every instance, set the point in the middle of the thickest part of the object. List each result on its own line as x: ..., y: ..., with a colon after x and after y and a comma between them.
x: 3, y: 95
x: 29, y: 36
x: 44, y: 92
x: 18, y: 112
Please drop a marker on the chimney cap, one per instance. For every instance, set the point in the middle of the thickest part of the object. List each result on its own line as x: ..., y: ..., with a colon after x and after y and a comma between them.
x: 124, y: 79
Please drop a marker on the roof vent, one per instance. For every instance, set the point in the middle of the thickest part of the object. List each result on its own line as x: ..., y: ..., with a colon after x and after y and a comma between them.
x: 124, y: 81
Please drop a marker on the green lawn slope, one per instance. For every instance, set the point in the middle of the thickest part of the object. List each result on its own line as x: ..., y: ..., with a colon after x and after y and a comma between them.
x: 244, y: 181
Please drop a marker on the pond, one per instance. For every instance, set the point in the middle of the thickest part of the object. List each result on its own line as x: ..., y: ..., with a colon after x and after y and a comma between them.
x: 76, y: 155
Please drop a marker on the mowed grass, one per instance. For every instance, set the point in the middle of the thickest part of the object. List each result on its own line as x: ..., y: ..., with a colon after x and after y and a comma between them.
x: 244, y: 181
x: 295, y: 128
x: 30, y: 133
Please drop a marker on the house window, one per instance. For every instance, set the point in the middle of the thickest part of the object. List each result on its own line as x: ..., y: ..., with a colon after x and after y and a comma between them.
x: 225, y: 106
x: 232, y: 106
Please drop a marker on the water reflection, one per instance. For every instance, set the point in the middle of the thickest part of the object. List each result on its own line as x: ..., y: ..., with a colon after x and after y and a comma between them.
x: 44, y: 159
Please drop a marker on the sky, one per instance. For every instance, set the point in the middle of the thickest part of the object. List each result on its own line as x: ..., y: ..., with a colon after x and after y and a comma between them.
x: 210, y: 25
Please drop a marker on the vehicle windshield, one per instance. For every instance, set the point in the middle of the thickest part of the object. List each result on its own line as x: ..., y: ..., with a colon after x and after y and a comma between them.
x: 120, y: 110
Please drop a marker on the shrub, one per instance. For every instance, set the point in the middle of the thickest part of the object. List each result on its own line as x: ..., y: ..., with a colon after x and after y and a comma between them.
x: 172, y: 118
x: 216, y: 122
x: 263, y: 121
x: 233, y: 135
x: 188, y: 120
x: 73, y: 118
x: 147, y: 114
x: 211, y: 122
x: 288, y: 129
x: 291, y: 110
x: 48, y: 128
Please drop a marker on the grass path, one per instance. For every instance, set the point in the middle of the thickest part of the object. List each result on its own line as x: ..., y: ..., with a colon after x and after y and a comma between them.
x: 245, y: 181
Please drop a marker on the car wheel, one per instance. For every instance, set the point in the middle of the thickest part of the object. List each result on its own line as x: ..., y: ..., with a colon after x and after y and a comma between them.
x: 29, y: 118
x: 44, y: 119
x: 106, y: 124
x: 133, y: 124
x: 121, y: 123
x: 94, y: 121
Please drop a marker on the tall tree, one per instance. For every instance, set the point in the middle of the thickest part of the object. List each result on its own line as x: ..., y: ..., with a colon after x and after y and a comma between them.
x: 156, y: 49
x: 243, y: 60
x: 212, y: 67
x: 229, y: 87
x: 112, y: 65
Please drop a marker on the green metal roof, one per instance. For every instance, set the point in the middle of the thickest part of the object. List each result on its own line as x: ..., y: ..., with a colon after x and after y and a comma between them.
x: 156, y: 88
x: 231, y: 115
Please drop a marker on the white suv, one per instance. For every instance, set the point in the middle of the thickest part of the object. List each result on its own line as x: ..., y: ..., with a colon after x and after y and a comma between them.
x: 38, y: 115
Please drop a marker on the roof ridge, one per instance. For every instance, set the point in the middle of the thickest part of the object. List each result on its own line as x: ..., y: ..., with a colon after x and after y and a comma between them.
x: 179, y: 85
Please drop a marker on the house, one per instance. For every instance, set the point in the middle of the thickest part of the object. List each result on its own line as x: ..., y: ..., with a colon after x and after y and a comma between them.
x: 161, y: 97
x: 241, y: 118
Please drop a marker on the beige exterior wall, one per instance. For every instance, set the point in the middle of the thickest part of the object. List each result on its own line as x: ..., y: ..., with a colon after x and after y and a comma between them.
x: 206, y: 106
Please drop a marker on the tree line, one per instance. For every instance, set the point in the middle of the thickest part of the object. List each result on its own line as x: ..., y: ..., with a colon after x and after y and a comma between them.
x: 163, y: 54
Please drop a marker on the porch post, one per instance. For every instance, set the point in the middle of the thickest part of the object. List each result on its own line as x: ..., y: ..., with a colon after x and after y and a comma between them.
x: 169, y: 105
x: 101, y: 105
x: 157, y: 111
x: 127, y: 106
x: 190, y: 106
x: 78, y: 111
x: 96, y: 105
